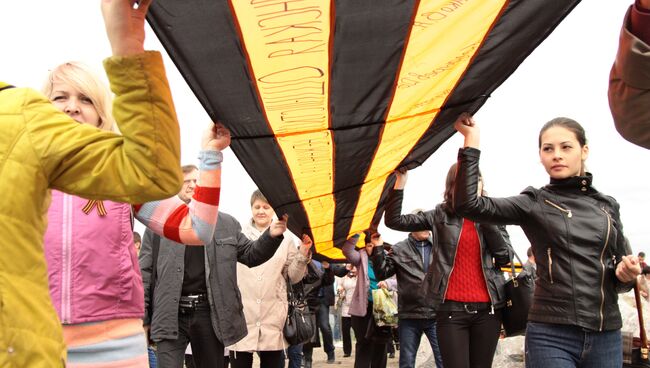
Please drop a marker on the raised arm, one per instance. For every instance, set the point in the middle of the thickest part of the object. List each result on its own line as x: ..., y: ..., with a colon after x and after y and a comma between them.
x: 254, y: 253
x: 383, y: 265
x: 467, y: 202
x: 629, y: 79
x: 350, y: 252
x: 295, y: 268
x: 144, y: 162
x: 192, y: 224
x: 393, y: 217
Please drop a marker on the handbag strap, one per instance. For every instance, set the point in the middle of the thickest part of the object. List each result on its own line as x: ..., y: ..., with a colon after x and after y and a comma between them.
x: 512, y: 266
x: 642, y: 335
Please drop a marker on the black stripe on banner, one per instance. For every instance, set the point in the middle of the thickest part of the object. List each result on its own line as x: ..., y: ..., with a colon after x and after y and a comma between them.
x: 203, y: 41
x: 368, y: 46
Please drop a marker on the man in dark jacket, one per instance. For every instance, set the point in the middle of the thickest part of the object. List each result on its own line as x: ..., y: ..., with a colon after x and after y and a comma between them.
x: 195, y: 296
x: 410, y: 261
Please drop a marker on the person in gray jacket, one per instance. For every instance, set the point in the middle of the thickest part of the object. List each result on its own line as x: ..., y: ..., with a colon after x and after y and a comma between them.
x: 195, y: 297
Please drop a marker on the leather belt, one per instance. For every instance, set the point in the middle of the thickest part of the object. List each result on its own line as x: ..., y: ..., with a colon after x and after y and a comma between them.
x: 469, y: 307
x: 191, y: 301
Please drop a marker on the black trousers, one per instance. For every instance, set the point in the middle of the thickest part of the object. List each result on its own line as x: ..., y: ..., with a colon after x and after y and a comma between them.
x: 367, y: 353
x: 271, y: 359
x: 195, y: 326
x: 346, y: 327
x: 468, y: 339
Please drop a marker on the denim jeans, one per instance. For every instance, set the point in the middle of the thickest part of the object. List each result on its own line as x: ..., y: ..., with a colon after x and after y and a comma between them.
x: 323, y: 320
x: 294, y: 353
x: 152, y: 357
x: 410, y: 334
x: 564, y: 346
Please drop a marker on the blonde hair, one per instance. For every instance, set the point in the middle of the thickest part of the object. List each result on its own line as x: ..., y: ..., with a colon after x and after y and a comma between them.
x: 83, y: 79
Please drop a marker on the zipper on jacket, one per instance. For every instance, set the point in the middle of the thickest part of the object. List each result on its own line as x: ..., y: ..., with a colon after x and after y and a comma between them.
x: 66, y: 259
x: 444, y: 295
x: 602, y: 264
x: 550, y: 264
x: 487, y: 287
x: 568, y: 212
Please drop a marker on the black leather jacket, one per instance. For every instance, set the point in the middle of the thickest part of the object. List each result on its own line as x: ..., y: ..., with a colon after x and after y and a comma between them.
x: 576, y: 236
x: 415, y: 295
x: 445, y: 229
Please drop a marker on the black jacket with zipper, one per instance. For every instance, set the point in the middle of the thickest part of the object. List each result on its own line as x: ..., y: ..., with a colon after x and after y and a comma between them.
x: 415, y: 297
x: 445, y: 228
x: 576, y: 236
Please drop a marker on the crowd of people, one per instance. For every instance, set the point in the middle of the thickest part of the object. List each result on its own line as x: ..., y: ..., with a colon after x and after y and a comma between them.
x: 99, y: 296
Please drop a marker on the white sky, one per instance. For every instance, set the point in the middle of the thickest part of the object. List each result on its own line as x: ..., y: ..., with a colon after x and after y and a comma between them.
x: 565, y: 76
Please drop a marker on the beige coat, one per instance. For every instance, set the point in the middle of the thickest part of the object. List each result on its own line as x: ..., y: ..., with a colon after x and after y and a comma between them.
x: 264, y: 294
x: 629, y: 88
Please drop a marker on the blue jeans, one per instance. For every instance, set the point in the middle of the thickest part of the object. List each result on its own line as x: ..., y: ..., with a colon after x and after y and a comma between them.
x: 410, y: 333
x: 564, y: 346
x: 152, y: 357
x: 323, y: 318
x: 294, y: 353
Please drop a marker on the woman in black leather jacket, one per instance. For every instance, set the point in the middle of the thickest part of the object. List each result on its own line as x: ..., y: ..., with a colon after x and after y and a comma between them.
x: 464, y: 284
x: 576, y: 235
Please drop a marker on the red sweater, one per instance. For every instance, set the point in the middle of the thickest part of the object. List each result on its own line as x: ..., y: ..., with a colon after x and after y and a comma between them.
x: 466, y: 283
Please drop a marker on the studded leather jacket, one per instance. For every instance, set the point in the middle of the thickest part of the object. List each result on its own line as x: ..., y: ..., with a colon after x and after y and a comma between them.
x: 576, y: 236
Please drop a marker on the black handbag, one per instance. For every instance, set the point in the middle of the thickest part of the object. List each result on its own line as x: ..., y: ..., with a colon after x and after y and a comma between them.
x: 519, y: 291
x: 635, y: 349
x: 300, y: 324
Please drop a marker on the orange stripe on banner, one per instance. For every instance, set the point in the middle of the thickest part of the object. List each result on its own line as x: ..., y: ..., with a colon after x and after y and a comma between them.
x: 445, y: 36
x: 288, y: 47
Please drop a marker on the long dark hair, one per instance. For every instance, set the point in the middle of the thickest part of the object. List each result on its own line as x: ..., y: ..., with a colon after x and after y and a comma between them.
x: 450, y: 183
x: 568, y: 124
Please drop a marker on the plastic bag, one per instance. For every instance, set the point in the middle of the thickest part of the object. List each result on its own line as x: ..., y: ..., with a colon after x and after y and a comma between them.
x: 384, y: 309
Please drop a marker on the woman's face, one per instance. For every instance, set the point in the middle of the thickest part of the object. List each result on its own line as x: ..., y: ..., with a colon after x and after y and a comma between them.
x: 262, y: 214
x: 561, y: 153
x: 74, y: 103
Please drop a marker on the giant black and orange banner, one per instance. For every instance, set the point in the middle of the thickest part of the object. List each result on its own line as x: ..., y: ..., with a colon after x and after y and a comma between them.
x: 326, y: 98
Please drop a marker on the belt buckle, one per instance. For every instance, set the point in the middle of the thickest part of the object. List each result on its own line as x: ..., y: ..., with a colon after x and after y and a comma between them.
x: 475, y: 311
x: 189, y: 301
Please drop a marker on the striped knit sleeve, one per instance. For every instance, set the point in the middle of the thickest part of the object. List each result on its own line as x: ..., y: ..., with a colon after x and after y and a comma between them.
x: 192, y: 224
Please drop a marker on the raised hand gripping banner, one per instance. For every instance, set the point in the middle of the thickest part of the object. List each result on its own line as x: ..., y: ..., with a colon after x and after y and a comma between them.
x: 325, y: 99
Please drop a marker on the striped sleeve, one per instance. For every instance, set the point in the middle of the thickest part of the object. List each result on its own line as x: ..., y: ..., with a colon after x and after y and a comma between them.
x: 192, y: 224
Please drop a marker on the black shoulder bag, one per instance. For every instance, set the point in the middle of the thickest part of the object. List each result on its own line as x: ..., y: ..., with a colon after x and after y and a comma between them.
x: 299, y: 326
x: 519, y: 291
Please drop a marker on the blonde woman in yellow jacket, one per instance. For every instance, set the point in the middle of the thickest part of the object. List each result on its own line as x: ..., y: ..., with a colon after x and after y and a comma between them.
x: 42, y: 148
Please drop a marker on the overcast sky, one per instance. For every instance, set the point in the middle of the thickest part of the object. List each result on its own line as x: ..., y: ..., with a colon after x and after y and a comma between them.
x: 565, y: 76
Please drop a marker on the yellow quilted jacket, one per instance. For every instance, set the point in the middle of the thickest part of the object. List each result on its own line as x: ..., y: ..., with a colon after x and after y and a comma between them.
x: 42, y: 148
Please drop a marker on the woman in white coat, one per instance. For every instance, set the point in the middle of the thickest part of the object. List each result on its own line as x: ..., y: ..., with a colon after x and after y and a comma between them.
x: 264, y: 291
